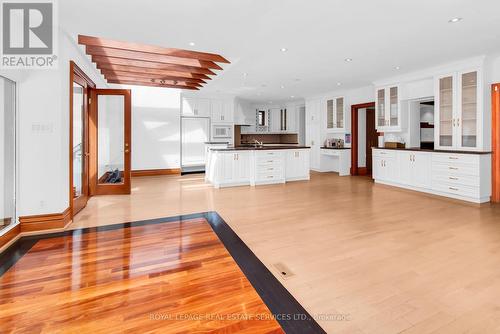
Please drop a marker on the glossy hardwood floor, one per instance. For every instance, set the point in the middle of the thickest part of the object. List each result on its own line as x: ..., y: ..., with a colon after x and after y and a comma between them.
x: 379, y: 259
x: 174, y: 277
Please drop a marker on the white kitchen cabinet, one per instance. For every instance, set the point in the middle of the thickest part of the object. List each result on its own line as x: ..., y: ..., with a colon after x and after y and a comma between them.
x: 222, y: 111
x: 269, y: 167
x: 275, y: 120
x: 459, y: 105
x: 313, y: 131
x: 461, y: 176
x: 384, y: 165
x: 297, y: 165
x: 414, y: 168
x: 231, y: 168
x: 388, y: 108
x: 195, y: 107
x: 292, y: 115
x: 335, y: 114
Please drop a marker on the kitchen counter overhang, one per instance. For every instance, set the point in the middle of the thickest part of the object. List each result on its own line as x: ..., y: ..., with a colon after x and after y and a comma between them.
x: 260, y: 148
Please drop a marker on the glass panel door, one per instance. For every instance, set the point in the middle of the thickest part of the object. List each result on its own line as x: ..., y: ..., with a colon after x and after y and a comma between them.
x: 7, y: 154
x: 112, y: 115
x: 78, y: 140
x: 340, y: 113
x: 381, y: 108
x: 394, y: 105
x: 329, y: 114
x: 446, y: 120
x: 469, y: 110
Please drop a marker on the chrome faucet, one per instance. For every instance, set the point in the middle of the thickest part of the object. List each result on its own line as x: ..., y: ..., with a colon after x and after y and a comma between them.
x: 258, y: 143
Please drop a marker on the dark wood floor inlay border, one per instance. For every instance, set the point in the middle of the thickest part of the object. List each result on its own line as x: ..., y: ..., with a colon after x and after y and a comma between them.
x: 292, y: 317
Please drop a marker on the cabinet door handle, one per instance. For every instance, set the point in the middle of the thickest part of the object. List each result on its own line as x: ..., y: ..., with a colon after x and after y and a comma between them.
x: 453, y: 158
x: 458, y: 121
x: 455, y: 189
x: 453, y: 178
x: 453, y: 168
x: 454, y: 122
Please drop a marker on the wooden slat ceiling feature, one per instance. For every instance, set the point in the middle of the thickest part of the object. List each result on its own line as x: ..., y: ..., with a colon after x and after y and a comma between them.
x: 111, y: 73
x: 148, y: 65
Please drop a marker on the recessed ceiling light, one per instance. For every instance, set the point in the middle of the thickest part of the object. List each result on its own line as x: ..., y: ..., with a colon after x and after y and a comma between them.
x: 348, y: 60
x: 339, y: 83
x: 284, y: 49
x: 455, y: 20
x: 245, y: 74
x: 397, y: 68
x: 282, y: 86
x: 270, y: 101
x: 292, y: 96
x: 192, y: 43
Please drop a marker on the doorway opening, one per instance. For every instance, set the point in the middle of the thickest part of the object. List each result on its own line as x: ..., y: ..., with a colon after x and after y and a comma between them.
x: 364, y: 137
x: 8, y: 166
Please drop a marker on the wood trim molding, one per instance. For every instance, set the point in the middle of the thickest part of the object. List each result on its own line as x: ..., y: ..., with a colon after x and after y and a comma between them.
x: 12, y: 234
x: 495, y: 132
x: 45, y: 222
x: 355, y: 134
x: 156, y: 172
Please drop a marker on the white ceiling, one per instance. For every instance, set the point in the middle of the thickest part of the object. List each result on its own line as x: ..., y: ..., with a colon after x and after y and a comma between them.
x: 319, y: 34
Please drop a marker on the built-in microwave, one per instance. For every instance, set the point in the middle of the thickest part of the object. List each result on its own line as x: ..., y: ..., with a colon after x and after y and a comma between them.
x: 221, y: 131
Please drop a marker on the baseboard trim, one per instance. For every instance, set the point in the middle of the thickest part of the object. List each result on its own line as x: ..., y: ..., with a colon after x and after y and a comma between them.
x: 9, y: 237
x: 45, y: 222
x: 155, y: 172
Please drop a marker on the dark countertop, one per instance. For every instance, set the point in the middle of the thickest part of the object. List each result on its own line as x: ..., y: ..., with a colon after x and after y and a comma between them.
x: 265, y: 148
x: 435, y: 151
x: 335, y: 148
x: 217, y: 142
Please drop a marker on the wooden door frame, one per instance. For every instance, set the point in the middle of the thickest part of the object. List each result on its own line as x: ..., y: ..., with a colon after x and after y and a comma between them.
x: 110, y: 189
x: 355, y: 134
x: 76, y: 73
x: 495, y: 140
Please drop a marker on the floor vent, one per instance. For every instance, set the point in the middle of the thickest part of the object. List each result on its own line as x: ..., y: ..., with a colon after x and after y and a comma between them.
x: 283, y: 270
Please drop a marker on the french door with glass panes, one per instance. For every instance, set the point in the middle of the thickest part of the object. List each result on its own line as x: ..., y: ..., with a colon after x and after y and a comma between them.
x: 110, y: 141
x: 79, y: 139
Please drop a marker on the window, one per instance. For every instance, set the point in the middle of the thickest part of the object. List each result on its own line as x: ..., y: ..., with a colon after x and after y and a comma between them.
x: 261, y: 118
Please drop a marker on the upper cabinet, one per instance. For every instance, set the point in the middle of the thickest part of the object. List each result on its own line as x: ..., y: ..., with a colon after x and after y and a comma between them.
x: 458, y: 105
x: 222, y: 111
x: 335, y: 114
x: 388, y: 109
x: 195, y: 107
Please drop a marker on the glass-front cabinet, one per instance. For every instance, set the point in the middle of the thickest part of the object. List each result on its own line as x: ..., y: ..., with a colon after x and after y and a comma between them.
x: 459, y: 103
x: 388, y: 109
x: 335, y: 114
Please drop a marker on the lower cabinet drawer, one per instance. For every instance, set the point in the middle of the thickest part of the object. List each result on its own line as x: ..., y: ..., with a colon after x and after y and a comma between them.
x: 385, y: 153
x: 278, y: 176
x: 466, y: 180
x: 456, y: 189
x: 269, y: 169
x: 455, y: 168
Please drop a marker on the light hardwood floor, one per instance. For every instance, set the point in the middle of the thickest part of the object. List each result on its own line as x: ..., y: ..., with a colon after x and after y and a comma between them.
x: 391, y: 260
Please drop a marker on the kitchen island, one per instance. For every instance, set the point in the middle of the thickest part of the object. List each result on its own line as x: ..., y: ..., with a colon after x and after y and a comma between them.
x: 241, y: 166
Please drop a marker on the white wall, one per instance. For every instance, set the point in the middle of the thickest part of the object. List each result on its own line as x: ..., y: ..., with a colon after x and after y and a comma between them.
x: 156, y: 124
x: 43, y: 117
x: 155, y: 128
